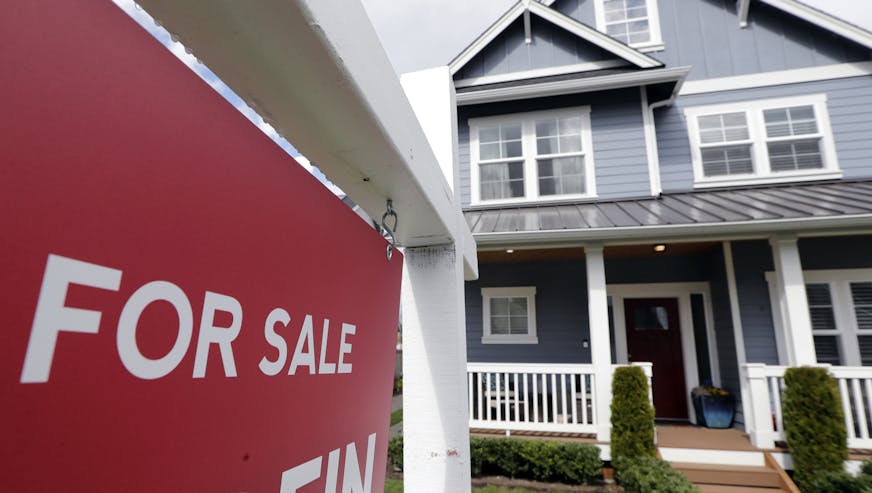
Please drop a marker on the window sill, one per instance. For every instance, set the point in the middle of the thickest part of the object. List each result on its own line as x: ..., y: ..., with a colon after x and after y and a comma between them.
x: 546, y: 200
x: 510, y: 340
x: 763, y: 180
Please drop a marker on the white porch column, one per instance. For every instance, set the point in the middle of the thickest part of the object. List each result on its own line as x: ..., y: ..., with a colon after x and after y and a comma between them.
x: 797, y: 319
x: 435, y: 417
x: 600, y: 344
x: 758, y: 404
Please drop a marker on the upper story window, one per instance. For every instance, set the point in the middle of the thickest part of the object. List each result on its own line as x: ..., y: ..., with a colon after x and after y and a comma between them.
x: 633, y: 22
x: 530, y: 156
x: 762, y: 141
x: 509, y: 315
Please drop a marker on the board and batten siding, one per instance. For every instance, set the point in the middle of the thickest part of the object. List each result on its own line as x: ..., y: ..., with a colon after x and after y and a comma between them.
x: 620, y: 158
x: 705, y: 34
x: 849, y: 104
x: 551, y: 46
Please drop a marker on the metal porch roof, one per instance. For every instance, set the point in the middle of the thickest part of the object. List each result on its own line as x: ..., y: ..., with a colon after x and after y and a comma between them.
x: 721, y: 207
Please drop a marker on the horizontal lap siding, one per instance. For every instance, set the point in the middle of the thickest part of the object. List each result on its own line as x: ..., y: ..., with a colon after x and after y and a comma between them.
x: 705, y: 34
x: 751, y: 260
x: 849, y: 104
x: 619, y: 149
x: 561, y: 312
x: 618, y: 136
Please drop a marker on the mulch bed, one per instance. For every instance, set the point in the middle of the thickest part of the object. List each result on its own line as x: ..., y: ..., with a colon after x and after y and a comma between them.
x: 508, y: 483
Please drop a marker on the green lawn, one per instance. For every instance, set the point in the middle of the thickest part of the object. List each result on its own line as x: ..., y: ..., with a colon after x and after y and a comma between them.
x: 396, y: 486
x: 396, y: 417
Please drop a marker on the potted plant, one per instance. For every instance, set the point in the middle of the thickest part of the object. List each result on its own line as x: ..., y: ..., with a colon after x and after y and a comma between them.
x: 715, y: 407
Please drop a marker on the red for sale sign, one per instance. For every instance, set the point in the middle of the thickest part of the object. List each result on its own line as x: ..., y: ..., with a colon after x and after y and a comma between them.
x: 184, y: 308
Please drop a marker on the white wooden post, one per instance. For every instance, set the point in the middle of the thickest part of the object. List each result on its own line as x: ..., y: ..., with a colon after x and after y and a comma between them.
x: 797, y: 319
x: 761, y: 409
x: 436, y: 413
x: 600, y: 344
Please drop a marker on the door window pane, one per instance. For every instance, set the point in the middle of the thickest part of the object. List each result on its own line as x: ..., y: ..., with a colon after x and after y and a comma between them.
x: 650, y: 318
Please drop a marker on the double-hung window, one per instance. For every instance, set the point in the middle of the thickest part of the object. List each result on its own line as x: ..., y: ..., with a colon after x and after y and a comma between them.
x: 762, y: 141
x: 840, y: 307
x: 530, y: 156
x: 509, y: 315
x: 633, y: 22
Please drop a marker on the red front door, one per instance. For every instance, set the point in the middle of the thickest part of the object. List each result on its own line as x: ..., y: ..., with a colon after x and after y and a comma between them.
x: 653, y: 335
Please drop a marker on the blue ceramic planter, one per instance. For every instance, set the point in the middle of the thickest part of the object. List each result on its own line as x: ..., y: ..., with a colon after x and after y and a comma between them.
x: 714, y: 411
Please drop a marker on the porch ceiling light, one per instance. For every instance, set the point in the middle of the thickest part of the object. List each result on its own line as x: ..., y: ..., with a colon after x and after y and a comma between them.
x: 659, y: 248
x: 510, y: 251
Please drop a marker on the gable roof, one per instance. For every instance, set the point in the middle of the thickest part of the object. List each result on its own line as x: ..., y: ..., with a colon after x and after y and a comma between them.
x: 817, y: 17
x: 558, y: 19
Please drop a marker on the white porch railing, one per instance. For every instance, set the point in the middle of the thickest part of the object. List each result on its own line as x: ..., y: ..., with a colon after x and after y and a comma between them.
x: 766, y: 384
x: 535, y: 397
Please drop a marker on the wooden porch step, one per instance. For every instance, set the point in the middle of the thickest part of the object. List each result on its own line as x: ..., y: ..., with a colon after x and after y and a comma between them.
x: 720, y: 488
x: 727, y: 475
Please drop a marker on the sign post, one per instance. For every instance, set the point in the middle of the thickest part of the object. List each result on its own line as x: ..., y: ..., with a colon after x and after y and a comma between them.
x: 185, y: 309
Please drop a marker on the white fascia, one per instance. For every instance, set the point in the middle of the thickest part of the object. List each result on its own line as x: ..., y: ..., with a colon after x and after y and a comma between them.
x: 602, y: 83
x: 824, y: 20
x: 590, y: 34
x: 762, y: 228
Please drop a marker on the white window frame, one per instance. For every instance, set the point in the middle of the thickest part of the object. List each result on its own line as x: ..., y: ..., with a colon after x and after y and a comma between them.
x: 759, y: 153
x: 653, y: 44
x: 528, y: 292
x: 847, y: 329
x: 528, y: 154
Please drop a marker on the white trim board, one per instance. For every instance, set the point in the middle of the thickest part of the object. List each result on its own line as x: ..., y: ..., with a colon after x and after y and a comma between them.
x: 776, y: 78
x: 590, y: 84
x: 824, y: 20
x: 682, y: 292
x: 542, y: 72
x: 585, y: 32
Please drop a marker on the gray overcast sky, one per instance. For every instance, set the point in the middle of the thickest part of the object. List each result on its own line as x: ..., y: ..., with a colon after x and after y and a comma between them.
x: 420, y: 34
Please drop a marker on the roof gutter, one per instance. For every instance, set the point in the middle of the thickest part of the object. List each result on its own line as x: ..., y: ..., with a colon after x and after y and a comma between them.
x: 605, y: 82
x: 760, y: 228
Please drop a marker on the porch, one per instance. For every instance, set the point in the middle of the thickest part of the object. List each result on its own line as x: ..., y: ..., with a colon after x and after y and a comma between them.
x: 562, y: 401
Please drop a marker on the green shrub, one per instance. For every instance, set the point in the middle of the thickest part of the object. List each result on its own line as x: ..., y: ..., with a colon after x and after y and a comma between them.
x: 841, y: 482
x: 651, y: 475
x: 395, y: 452
x: 814, y: 424
x: 537, y: 460
x: 632, y: 414
x: 866, y: 467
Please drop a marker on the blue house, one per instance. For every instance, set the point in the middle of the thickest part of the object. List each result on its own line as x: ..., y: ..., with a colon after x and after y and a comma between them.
x: 685, y: 185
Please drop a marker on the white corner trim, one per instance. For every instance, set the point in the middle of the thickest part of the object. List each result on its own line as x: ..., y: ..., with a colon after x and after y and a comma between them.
x: 605, y: 82
x: 824, y: 20
x: 776, y: 78
x: 588, y: 33
x: 536, y: 73
x: 486, y: 37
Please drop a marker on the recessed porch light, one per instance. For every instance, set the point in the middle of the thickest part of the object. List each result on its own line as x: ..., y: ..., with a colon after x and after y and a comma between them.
x: 659, y: 248
x: 510, y: 251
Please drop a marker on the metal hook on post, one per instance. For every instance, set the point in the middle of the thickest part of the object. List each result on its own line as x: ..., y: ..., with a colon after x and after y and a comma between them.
x: 388, y: 232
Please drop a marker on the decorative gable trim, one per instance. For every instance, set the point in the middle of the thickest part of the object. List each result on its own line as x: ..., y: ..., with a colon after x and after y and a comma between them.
x: 822, y: 19
x: 567, y: 23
